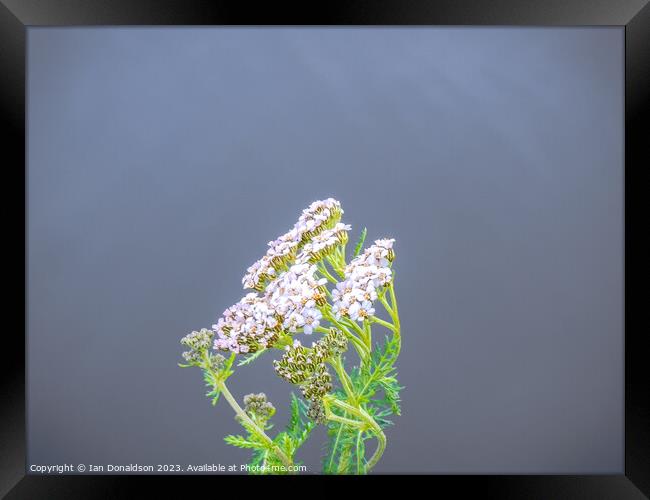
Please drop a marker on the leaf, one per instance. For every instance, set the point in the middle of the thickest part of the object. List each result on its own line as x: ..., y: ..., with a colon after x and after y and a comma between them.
x: 286, y: 444
x: 367, y: 379
x: 259, y: 457
x: 226, y: 371
x: 300, y: 425
x: 211, y: 381
x: 391, y: 393
x: 294, y: 419
x: 345, y: 460
x: 298, y: 428
x: 341, y: 447
x: 297, y: 431
x: 214, y: 395
x: 242, y: 442
x: 346, y: 449
x: 251, y: 357
x: 359, y: 245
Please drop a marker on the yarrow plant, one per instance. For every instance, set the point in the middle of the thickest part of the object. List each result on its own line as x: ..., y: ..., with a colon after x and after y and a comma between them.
x: 304, y: 285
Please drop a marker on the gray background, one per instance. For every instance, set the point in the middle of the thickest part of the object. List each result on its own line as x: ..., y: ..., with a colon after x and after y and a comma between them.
x: 161, y: 161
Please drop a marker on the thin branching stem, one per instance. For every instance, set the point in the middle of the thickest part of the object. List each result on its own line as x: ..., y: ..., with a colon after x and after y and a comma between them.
x: 381, y: 322
x: 346, y: 382
x: 323, y: 270
x: 370, y: 424
x: 251, y: 423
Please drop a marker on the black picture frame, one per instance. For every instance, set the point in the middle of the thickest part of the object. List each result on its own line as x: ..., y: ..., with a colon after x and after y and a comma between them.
x: 16, y: 16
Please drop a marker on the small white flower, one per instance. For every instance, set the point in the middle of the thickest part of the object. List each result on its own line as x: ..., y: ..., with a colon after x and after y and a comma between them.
x: 294, y: 321
x: 360, y: 311
x: 340, y: 309
x: 366, y: 294
x: 312, y: 320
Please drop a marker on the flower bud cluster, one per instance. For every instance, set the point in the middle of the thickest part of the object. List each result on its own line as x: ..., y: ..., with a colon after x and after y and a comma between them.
x: 319, y: 384
x: 217, y: 362
x: 316, y: 412
x: 300, y: 363
x: 306, y: 366
x: 257, y: 406
x: 198, y: 343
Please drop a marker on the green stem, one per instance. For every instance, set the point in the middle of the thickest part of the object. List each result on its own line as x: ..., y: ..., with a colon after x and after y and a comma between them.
x: 358, y: 344
x: 352, y: 407
x: 375, y: 319
x: 347, y: 421
x: 370, y: 423
x: 346, y: 382
x: 334, y: 447
x: 384, y: 303
x: 242, y: 415
x: 326, y: 273
x: 381, y: 446
x: 359, y: 452
x: 368, y: 329
x: 337, y: 261
x: 393, y: 301
x: 352, y: 324
x: 397, y: 331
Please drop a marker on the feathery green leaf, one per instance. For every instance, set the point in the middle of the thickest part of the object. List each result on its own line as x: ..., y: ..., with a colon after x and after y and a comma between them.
x: 359, y: 245
x: 242, y: 442
x: 251, y: 357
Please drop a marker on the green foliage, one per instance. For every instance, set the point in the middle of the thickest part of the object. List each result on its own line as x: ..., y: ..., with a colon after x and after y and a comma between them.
x: 377, y: 391
x: 295, y: 434
x: 251, y: 357
x: 341, y: 444
x: 297, y: 430
x: 263, y: 453
x: 211, y: 378
x: 360, y: 452
x: 300, y: 426
x: 242, y: 442
x: 359, y: 245
x: 369, y: 395
x: 379, y: 374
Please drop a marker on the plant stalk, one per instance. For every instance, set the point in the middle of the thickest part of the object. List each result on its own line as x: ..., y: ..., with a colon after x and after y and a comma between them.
x: 242, y: 415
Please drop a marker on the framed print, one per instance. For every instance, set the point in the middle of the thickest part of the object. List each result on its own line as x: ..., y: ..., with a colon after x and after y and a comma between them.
x: 374, y: 241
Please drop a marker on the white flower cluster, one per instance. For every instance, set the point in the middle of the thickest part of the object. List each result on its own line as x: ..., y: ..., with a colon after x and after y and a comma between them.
x: 295, y: 296
x: 290, y: 303
x: 318, y: 217
x: 354, y: 297
x: 324, y: 243
x: 257, y: 274
x: 381, y: 254
x: 290, y: 293
x: 283, y: 249
x: 249, y: 325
